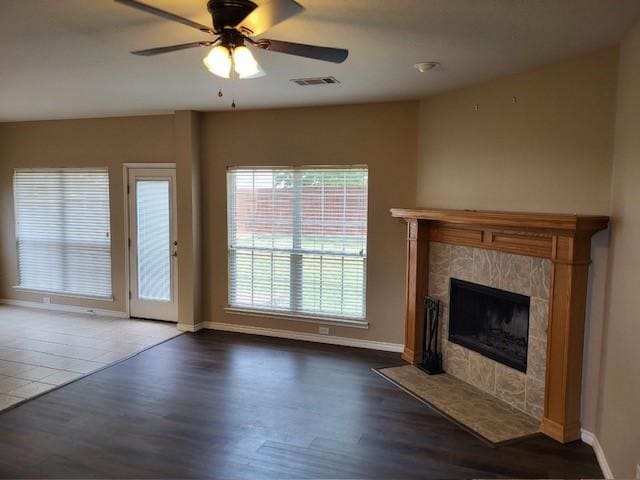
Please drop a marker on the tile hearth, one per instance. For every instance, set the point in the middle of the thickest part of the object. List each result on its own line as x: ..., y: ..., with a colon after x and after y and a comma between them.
x: 478, y: 411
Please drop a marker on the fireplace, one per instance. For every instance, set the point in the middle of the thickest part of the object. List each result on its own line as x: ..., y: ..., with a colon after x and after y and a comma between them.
x: 564, y: 241
x: 490, y: 321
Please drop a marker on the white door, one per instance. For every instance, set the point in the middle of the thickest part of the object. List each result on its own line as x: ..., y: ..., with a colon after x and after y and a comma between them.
x: 153, y: 245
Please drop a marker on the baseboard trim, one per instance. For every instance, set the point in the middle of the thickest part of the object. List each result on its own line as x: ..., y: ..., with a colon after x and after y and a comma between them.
x: 308, y: 337
x: 64, y: 308
x: 590, y: 439
x: 187, y: 327
x: 586, y: 436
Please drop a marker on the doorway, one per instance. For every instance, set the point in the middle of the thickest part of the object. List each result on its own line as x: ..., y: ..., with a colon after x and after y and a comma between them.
x: 152, y: 243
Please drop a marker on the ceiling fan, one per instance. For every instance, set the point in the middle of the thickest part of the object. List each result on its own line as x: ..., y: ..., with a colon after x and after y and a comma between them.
x: 235, y: 23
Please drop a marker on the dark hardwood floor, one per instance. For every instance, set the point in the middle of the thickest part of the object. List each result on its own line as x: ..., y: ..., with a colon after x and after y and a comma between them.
x: 225, y: 405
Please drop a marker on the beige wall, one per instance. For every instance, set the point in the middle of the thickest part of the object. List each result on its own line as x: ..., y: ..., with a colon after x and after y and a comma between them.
x: 618, y: 428
x: 383, y: 136
x: 550, y: 151
x: 106, y: 142
x: 187, y: 151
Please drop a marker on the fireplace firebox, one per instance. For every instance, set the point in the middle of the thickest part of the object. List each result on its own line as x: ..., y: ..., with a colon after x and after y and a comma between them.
x: 490, y: 321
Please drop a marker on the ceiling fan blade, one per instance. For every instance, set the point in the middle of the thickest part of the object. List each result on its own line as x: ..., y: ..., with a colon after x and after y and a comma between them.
x: 171, y: 48
x: 166, y: 15
x: 328, y: 54
x: 269, y: 14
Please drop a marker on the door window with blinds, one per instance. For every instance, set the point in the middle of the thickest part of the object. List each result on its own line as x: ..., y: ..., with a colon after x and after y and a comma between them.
x: 63, y: 231
x: 298, y: 241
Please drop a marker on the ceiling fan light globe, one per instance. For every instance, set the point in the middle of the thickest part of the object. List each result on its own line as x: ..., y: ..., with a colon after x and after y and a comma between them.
x: 219, y: 61
x: 244, y: 63
x: 258, y: 73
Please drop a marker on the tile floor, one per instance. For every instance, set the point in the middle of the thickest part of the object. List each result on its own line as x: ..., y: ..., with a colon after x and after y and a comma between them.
x: 41, y: 349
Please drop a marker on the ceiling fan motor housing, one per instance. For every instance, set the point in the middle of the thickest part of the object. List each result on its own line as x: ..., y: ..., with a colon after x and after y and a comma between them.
x: 227, y: 14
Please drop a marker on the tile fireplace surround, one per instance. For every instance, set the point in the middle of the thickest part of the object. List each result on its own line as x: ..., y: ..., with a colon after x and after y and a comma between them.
x: 544, y: 256
x: 514, y: 273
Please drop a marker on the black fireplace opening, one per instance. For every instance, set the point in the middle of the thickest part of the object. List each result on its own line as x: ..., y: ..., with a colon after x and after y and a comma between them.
x: 490, y: 321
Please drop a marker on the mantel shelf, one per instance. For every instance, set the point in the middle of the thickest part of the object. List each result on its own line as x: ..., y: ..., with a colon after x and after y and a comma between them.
x: 524, y: 221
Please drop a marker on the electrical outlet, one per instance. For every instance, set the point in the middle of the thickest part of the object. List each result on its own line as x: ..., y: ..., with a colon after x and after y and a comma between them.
x: 638, y: 471
x: 46, y: 299
x: 323, y: 330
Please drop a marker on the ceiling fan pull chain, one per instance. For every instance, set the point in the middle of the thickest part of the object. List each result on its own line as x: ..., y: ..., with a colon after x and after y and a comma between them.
x: 233, y: 90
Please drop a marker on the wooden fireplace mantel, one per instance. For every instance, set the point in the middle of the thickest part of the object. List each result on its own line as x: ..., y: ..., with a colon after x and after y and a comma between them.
x: 564, y: 239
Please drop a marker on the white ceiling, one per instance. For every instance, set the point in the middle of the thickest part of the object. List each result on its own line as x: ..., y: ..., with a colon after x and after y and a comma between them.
x: 69, y: 58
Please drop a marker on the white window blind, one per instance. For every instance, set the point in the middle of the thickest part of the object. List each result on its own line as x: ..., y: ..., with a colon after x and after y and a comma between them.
x: 298, y: 240
x: 63, y: 231
x: 153, y: 240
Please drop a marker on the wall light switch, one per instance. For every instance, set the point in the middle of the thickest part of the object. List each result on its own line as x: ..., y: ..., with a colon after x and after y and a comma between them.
x: 46, y: 299
x: 323, y: 330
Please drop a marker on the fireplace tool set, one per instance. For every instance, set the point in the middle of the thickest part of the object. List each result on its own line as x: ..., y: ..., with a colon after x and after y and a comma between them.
x: 432, y: 359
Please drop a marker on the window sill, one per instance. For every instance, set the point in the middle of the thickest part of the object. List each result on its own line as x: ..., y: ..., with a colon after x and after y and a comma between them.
x: 339, y: 322
x: 62, y: 294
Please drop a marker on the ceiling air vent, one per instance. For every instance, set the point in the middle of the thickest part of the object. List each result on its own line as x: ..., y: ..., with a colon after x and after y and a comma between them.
x: 304, y: 82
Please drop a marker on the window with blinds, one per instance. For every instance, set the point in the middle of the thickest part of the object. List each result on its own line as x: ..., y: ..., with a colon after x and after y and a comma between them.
x: 298, y: 240
x: 63, y: 231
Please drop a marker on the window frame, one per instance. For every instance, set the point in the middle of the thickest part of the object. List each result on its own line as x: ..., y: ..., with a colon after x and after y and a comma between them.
x: 291, y: 314
x: 61, y: 293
